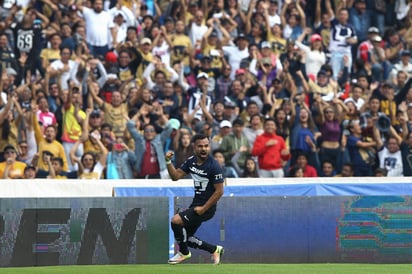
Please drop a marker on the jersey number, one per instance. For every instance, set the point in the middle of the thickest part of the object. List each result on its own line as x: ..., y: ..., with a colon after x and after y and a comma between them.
x: 25, y: 42
x: 200, y: 186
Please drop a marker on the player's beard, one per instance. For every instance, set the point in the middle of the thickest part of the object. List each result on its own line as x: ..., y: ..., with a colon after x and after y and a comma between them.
x: 202, y: 155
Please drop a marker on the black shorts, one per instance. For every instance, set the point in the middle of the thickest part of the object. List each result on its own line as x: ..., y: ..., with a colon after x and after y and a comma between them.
x: 192, y: 220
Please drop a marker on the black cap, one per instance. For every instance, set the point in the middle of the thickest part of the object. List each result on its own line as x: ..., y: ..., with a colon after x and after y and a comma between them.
x: 405, y: 53
x: 214, y: 33
x: 240, y: 36
x: 9, y: 147
x: 95, y: 113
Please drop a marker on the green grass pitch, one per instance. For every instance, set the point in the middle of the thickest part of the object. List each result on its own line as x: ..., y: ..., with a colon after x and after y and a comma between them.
x: 220, y: 269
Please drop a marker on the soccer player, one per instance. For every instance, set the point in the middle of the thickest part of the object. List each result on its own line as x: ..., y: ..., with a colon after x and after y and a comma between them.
x: 208, y: 184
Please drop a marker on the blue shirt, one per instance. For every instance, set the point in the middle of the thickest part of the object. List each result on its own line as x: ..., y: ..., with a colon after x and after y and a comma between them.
x: 205, y: 176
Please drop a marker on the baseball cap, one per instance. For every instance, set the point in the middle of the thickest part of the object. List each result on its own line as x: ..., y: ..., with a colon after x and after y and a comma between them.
x: 11, y: 71
x: 225, y: 123
x: 376, y: 38
x: 266, y: 44
x: 405, y: 53
x: 30, y: 167
x: 95, y: 113
x: 9, y: 147
x: 146, y: 41
x: 110, y: 57
x: 174, y: 123
x: 214, y: 33
x: 202, y: 75
x: 315, y: 37
x: 240, y: 36
x: 373, y: 30
x: 240, y: 71
x: 229, y: 104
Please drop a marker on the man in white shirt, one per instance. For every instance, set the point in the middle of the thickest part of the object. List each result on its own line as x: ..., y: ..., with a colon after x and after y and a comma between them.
x: 99, y: 25
x: 197, y: 29
x: 390, y: 157
x: 237, y: 53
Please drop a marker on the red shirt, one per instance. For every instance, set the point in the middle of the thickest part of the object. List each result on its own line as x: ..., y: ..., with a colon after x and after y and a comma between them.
x: 310, y: 171
x: 269, y: 157
x: 150, y: 165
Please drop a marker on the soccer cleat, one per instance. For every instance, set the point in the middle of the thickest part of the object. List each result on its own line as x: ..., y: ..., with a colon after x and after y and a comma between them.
x: 217, y: 255
x: 179, y: 258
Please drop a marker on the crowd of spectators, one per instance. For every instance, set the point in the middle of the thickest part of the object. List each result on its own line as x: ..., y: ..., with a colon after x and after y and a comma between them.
x: 97, y: 89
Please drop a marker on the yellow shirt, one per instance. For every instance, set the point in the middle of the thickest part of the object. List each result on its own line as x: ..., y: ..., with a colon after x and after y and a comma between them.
x: 71, y: 128
x: 11, y: 137
x: 278, y: 44
x: 181, y: 46
x: 16, y: 170
x: 55, y: 147
x: 115, y: 117
x: 50, y: 54
x: 147, y: 59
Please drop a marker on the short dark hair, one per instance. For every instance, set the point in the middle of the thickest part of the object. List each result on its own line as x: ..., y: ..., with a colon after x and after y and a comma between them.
x: 59, y: 160
x: 268, y: 119
x: 238, y: 122
x: 199, y: 136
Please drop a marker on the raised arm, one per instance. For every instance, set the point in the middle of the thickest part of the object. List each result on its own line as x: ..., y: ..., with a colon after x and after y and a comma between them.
x: 175, y: 174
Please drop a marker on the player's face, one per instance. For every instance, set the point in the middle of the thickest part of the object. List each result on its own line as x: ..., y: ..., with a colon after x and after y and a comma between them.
x: 202, y: 148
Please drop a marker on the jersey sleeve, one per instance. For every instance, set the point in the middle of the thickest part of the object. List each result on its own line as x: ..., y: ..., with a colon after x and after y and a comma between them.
x: 216, y: 174
x: 186, y: 164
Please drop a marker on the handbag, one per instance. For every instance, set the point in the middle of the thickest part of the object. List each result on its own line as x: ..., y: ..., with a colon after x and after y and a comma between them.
x: 112, y: 172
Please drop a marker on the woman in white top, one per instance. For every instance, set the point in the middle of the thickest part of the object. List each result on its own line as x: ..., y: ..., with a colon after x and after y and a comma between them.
x: 315, y: 57
x: 90, y: 166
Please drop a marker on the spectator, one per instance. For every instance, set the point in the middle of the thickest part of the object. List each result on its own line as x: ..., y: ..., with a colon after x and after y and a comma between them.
x: 251, y: 169
x: 343, y: 36
x: 225, y: 129
x: 150, y: 161
x: 30, y: 172
x: 8, y: 122
x: 64, y: 69
x: 302, y: 159
x: 360, y: 19
x: 296, y: 171
x: 228, y: 171
x: 347, y: 170
x: 99, y: 27
x: 182, y: 146
x: 90, y: 165
x: 271, y: 151
x: 114, y: 112
x: 315, y: 57
x: 328, y: 169
x: 10, y: 168
x: 254, y: 129
x: 293, y: 19
x: 390, y: 155
x: 47, y: 143
x: 235, y: 142
x: 361, y: 152
x: 237, y: 53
